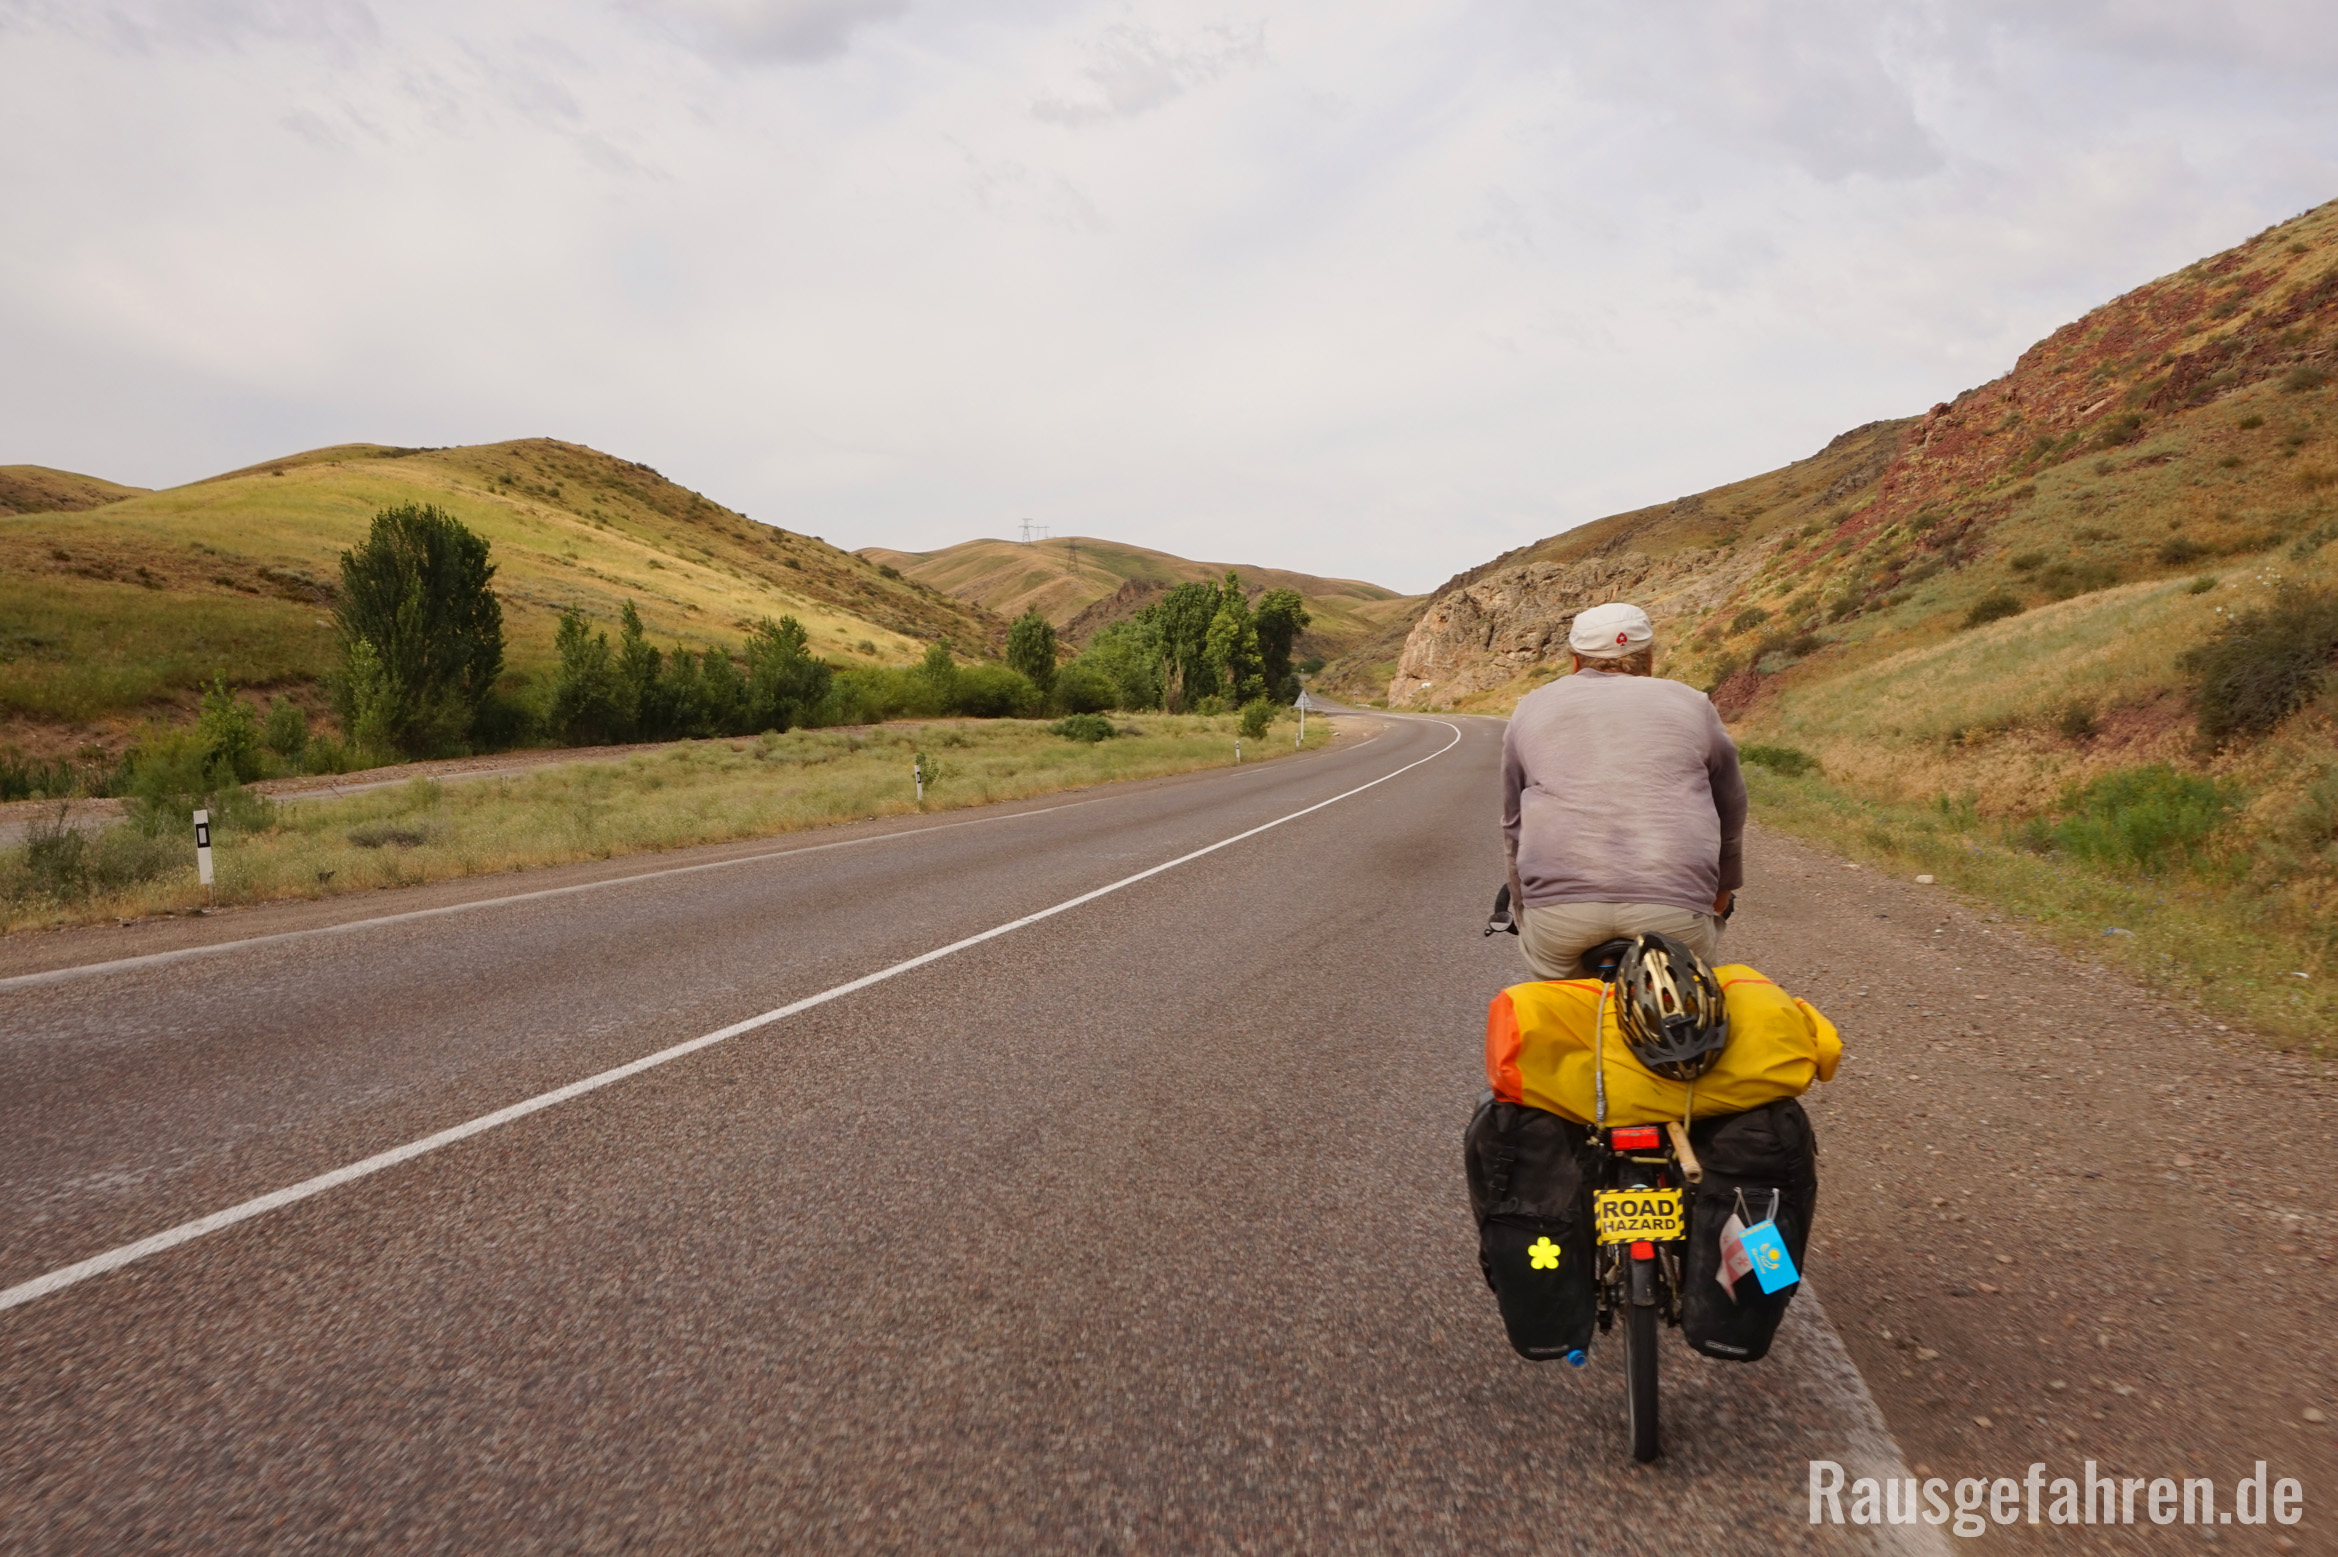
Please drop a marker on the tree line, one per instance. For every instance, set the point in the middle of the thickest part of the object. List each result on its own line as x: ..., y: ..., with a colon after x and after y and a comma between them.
x: 421, y: 671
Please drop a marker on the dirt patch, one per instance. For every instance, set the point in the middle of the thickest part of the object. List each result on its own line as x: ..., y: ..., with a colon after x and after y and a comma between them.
x: 2160, y: 728
x: 1736, y: 696
x: 2061, y: 1218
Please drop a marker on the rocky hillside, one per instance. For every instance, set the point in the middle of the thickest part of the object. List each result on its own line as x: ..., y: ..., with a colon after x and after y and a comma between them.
x: 2138, y: 476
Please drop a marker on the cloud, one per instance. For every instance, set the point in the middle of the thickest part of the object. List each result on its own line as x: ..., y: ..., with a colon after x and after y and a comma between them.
x: 1088, y: 262
x: 344, y: 27
x: 789, y: 31
x: 1134, y: 70
x: 1816, y: 82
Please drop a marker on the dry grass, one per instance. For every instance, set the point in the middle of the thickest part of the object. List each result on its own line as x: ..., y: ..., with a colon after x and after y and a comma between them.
x: 688, y: 793
x: 2234, y: 951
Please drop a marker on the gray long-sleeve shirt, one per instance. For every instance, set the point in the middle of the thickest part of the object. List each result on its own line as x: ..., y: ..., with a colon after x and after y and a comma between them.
x: 1622, y: 789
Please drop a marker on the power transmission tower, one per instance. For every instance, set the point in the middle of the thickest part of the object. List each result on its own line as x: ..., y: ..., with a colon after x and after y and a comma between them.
x: 1034, y: 532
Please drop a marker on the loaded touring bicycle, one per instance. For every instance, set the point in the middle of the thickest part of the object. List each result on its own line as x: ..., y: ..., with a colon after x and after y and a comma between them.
x: 1642, y: 1159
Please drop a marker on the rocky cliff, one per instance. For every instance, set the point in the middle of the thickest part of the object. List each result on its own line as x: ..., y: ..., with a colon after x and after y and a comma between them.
x: 1513, y: 622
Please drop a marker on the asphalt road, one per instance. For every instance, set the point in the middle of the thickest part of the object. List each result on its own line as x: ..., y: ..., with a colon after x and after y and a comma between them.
x: 1140, y: 1227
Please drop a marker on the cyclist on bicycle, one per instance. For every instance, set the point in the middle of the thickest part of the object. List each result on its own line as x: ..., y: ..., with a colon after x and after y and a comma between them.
x: 1623, y: 811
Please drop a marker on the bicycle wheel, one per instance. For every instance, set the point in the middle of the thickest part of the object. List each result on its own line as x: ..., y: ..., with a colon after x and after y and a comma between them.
x: 1640, y: 1377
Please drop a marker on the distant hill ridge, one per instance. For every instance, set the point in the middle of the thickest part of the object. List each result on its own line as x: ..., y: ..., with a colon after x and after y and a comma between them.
x: 1081, y: 583
x: 36, y: 489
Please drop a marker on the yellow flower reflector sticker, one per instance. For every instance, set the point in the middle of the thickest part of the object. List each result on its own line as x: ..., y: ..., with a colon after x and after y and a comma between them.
x: 1542, y: 1254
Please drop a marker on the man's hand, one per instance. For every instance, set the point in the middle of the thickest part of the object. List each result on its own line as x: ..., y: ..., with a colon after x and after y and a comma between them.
x: 1721, y: 903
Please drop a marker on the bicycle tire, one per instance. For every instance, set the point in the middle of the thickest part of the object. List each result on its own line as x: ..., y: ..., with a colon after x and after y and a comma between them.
x: 1640, y: 1378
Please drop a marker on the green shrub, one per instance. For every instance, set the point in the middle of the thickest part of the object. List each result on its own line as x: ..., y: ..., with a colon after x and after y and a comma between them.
x: 285, y: 732
x: 1031, y: 649
x: 59, y: 862
x: 1791, y: 761
x: 2065, y: 580
x: 2077, y: 722
x: 1779, y: 650
x: 2201, y: 585
x: 2142, y: 819
x: 2180, y: 549
x: 2302, y: 378
x: 229, y: 732
x: 1081, y: 688
x: 1750, y: 617
x: 1993, y: 608
x: 1257, y: 714
x: 994, y: 692
x: 172, y: 774
x: 2028, y: 562
x: 1084, y: 727
x: 2125, y: 428
x: 26, y: 778
x: 2264, y: 665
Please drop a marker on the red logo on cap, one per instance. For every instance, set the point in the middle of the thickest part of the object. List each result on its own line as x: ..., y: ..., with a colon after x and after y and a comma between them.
x: 1622, y: 638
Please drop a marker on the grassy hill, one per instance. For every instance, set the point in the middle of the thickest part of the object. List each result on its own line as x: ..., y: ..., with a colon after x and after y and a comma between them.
x: 36, y: 489
x: 1976, y: 618
x: 1080, y: 584
x: 111, y: 615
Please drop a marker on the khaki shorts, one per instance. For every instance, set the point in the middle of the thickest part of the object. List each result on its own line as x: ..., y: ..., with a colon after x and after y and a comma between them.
x: 1554, y: 936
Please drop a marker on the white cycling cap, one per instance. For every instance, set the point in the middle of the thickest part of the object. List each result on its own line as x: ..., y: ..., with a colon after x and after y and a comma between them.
x: 1609, y: 632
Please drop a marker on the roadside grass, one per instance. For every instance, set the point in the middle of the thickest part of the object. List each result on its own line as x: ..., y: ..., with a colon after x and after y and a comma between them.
x: 694, y: 792
x: 2233, y: 947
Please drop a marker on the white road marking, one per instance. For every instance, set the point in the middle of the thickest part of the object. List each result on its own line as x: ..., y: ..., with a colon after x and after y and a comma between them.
x: 186, y: 1232
x: 1867, y: 1447
x: 218, y: 948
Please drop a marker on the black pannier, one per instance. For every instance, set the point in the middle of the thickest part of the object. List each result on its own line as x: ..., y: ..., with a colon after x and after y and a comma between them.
x: 1761, y: 1163
x: 1530, y: 1186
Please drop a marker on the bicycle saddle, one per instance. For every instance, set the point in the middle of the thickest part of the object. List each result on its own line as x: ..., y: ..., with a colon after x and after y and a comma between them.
x: 1600, y: 962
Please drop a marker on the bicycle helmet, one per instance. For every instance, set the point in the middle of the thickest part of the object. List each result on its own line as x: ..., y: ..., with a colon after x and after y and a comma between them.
x: 1669, y: 1006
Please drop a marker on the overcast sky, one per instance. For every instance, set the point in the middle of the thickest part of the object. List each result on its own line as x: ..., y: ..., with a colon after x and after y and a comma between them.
x: 1360, y: 287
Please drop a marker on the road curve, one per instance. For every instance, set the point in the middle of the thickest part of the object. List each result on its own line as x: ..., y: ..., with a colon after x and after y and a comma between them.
x: 1139, y: 1227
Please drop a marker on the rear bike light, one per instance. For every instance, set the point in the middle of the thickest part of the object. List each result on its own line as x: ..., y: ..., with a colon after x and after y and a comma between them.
x: 1643, y: 1250
x: 1635, y: 1138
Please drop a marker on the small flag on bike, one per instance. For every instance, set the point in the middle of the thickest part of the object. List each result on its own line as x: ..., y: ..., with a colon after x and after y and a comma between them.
x: 1773, y: 1267
x: 1735, y: 1262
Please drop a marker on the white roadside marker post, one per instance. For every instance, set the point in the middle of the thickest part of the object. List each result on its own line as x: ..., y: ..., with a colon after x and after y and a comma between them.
x: 203, y: 853
x: 917, y: 772
x: 1237, y: 751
